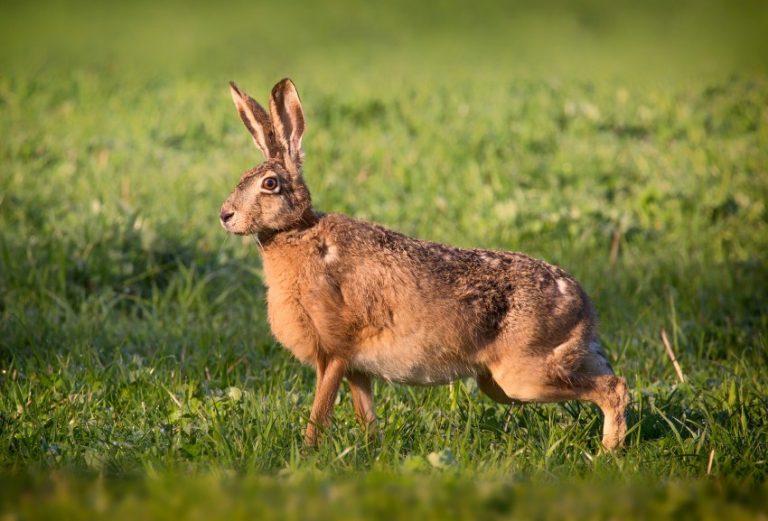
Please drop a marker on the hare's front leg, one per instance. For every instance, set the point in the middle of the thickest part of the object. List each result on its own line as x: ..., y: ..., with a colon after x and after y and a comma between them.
x: 329, y: 377
x: 362, y: 401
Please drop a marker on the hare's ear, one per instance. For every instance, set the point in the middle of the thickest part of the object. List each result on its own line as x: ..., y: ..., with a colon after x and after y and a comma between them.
x: 288, y: 121
x: 256, y: 121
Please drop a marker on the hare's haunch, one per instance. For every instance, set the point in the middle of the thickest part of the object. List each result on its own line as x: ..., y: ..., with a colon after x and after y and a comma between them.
x: 356, y: 300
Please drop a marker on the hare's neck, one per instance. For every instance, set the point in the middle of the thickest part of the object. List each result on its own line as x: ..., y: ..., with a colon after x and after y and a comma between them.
x: 272, y: 241
x: 283, y: 254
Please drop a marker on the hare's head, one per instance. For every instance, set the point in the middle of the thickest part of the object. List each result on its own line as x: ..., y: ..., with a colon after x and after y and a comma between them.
x: 272, y: 196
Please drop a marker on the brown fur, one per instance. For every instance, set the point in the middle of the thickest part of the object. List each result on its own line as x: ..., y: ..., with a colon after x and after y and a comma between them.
x: 358, y: 300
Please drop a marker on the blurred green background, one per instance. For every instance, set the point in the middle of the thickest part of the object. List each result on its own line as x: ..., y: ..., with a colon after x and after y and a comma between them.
x: 382, y: 44
x: 625, y: 141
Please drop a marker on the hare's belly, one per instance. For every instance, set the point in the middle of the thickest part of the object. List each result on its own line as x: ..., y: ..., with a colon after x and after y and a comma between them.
x: 409, y: 360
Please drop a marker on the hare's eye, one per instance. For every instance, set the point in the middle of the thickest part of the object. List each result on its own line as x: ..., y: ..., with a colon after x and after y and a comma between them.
x: 269, y: 184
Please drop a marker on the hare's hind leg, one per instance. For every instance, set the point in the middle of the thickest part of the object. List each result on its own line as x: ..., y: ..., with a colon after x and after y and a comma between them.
x: 610, y: 393
x: 492, y: 390
x: 598, y: 384
x: 531, y: 379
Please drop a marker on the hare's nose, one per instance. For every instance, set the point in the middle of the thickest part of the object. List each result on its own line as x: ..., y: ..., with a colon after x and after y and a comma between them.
x: 226, y: 215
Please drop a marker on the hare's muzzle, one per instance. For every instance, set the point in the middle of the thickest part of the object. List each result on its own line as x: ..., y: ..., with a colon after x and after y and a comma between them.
x: 225, y: 215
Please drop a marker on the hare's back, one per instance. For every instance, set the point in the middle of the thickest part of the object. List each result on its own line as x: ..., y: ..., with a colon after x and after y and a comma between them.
x: 376, y: 258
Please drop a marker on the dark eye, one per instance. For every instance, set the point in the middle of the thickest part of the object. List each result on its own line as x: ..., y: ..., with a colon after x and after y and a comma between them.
x: 269, y: 183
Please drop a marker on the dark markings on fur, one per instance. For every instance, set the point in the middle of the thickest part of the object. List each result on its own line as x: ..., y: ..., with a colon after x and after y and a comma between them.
x: 322, y: 247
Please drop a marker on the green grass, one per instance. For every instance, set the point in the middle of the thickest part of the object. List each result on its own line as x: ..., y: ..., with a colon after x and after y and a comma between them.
x: 137, y: 373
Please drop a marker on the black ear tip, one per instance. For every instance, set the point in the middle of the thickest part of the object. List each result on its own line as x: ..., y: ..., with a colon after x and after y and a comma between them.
x: 233, y: 86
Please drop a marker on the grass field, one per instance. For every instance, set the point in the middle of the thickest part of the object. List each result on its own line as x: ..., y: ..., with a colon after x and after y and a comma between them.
x: 138, y: 377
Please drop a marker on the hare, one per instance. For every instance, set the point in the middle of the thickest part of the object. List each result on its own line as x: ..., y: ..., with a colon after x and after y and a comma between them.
x: 356, y: 300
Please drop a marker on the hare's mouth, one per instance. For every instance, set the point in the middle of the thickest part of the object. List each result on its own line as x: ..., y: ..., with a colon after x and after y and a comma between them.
x: 226, y: 218
x: 232, y: 226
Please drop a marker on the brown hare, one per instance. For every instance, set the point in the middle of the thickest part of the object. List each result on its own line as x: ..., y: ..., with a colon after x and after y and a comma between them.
x: 356, y: 300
